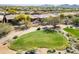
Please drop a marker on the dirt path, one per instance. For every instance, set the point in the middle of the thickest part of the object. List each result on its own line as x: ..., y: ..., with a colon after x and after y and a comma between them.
x: 4, y: 48
x: 41, y: 51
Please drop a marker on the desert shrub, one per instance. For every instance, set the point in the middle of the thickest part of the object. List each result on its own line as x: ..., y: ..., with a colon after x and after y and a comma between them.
x: 77, y: 46
x: 71, y: 27
x: 67, y: 34
x: 29, y: 24
x: 27, y: 52
x: 4, y: 43
x: 39, y: 28
x: 22, y: 27
x: 5, y: 29
x: 15, y: 37
x: 51, y: 51
x: 77, y: 38
x: 46, y: 29
x: 59, y: 31
x: 59, y: 52
x: 30, y: 52
x: 69, y: 50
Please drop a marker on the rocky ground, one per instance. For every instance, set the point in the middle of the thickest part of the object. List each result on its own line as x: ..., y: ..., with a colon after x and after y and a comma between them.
x: 5, y: 40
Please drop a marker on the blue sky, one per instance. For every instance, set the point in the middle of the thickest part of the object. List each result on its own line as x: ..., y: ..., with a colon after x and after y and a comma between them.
x: 56, y: 2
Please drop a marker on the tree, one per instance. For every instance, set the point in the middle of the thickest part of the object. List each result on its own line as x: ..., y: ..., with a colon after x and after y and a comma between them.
x: 76, y: 21
x: 5, y: 29
x: 23, y: 18
x: 53, y: 21
x: 11, y: 11
x: 61, y: 17
x: 44, y: 21
x: 68, y: 19
x: 69, y: 16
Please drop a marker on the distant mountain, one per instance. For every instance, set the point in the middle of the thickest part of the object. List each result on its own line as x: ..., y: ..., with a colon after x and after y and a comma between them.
x: 69, y: 6
x: 47, y: 5
x: 44, y: 5
x: 61, y: 6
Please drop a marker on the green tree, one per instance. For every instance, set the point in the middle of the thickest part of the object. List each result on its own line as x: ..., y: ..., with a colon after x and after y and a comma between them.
x: 62, y: 16
x: 5, y: 29
x: 69, y: 19
x: 76, y: 21
x: 53, y: 21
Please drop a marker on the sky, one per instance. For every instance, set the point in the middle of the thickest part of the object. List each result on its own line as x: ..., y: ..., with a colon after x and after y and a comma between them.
x: 54, y: 2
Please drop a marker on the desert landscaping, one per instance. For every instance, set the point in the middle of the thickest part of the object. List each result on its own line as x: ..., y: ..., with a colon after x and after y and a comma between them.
x: 38, y: 30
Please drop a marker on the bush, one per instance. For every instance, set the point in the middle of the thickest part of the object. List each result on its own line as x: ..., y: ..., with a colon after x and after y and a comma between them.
x: 51, y: 51
x: 22, y: 27
x: 71, y: 27
x: 30, y: 52
x: 67, y: 34
x: 77, y: 46
x: 27, y: 52
x: 59, y: 52
x: 59, y: 31
x: 4, y: 43
x: 5, y: 29
x: 15, y: 37
x: 38, y: 28
x: 69, y: 50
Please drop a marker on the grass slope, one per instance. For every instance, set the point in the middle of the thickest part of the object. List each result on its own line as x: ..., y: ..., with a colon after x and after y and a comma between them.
x: 39, y: 39
x: 74, y: 32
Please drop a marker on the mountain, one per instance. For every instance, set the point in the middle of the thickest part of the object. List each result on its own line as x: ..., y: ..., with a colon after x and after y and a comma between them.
x: 69, y: 6
x: 44, y: 5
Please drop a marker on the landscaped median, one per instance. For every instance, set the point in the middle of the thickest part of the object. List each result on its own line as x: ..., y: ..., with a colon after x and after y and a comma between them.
x: 40, y: 39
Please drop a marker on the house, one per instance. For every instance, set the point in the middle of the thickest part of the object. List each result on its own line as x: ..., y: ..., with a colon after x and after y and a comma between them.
x: 11, y: 18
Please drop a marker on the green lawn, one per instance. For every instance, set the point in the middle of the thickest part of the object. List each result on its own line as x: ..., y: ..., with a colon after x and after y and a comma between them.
x: 73, y: 32
x: 40, y: 39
